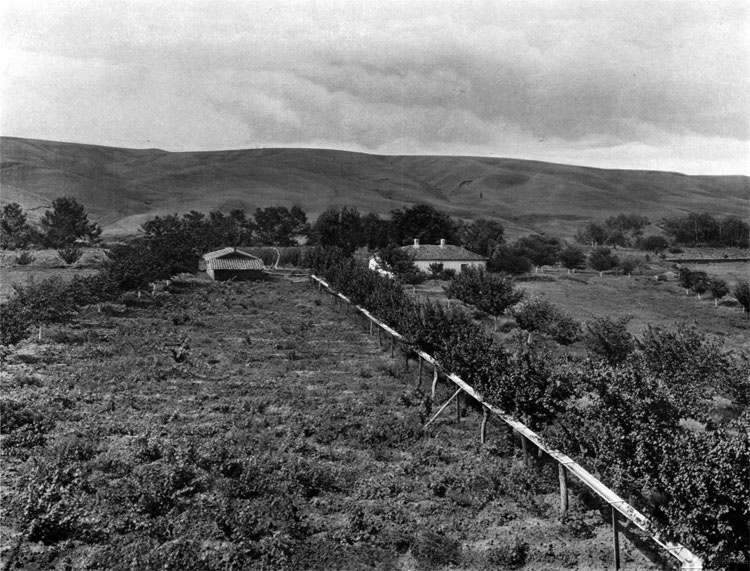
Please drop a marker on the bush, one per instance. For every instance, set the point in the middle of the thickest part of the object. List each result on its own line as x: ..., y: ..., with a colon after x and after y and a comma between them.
x: 509, y: 261
x: 602, y: 259
x: 609, y: 338
x: 742, y: 293
x: 510, y: 555
x: 25, y: 258
x: 654, y: 244
x: 70, y: 254
x: 544, y: 317
x: 14, y: 323
x: 488, y: 293
x: 572, y: 258
x: 433, y: 550
x: 629, y: 265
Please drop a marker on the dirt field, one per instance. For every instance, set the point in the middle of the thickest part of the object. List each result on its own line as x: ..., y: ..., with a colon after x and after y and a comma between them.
x: 252, y: 426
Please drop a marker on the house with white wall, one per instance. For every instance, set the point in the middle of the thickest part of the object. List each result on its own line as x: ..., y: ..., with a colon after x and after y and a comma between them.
x: 448, y: 256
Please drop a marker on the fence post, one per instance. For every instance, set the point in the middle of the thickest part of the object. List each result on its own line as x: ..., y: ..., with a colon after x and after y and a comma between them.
x: 380, y: 336
x: 562, y: 475
x: 434, y: 381
x: 525, y: 449
x: 483, y: 430
x: 419, y: 376
x: 393, y: 346
x: 615, y: 539
x: 458, y: 408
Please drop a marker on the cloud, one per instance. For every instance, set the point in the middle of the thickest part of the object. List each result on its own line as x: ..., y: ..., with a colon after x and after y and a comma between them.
x: 563, y: 79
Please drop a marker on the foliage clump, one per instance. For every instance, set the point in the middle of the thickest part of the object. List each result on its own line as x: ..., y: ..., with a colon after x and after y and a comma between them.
x: 489, y: 293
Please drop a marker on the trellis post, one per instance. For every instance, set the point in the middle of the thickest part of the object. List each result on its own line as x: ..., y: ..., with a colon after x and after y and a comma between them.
x: 525, y: 449
x: 562, y: 475
x: 434, y: 381
x: 458, y: 408
x: 483, y: 430
x: 615, y: 539
x: 419, y: 376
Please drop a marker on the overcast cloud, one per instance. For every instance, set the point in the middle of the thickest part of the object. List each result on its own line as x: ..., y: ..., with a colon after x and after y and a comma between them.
x: 661, y: 85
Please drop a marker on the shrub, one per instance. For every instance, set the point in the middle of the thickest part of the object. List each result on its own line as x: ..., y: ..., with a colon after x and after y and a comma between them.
x: 602, y: 259
x: 70, y: 254
x: 511, y: 555
x: 432, y: 550
x: 630, y: 264
x: 609, y: 338
x: 654, y: 244
x: 25, y: 258
x: 718, y: 287
x: 510, y: 261
x: 47, y: 301
x: 14, y: 323
x: 742, y: 293
x: 572, y: 257
x: 488, y: 293
x: 544, y: 317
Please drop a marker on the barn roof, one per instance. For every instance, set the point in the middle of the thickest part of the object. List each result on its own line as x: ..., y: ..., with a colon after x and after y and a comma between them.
x: 444, y: 253
x: 252, y: 263
x: 226, y: 252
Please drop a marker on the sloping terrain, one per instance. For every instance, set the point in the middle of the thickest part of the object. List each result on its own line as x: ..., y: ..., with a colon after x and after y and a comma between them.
x: 123, y: 187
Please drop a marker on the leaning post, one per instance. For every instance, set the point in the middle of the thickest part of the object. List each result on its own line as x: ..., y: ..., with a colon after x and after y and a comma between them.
x: 483, y: 430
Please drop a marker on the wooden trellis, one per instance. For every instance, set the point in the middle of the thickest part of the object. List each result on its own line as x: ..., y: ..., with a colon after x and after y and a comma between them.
x: 566, y: 465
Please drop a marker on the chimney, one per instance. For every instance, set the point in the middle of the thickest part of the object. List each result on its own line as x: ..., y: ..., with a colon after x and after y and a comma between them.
x: 442, y: 242
x: 416, y: 242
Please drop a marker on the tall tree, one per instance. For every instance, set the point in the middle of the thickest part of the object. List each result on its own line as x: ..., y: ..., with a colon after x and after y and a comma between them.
x: 278, y: 226
x: 340, y: 228
x: 483, y: 236
x: 68, y: 223
x: 15, y: 231
x: 422, y: 222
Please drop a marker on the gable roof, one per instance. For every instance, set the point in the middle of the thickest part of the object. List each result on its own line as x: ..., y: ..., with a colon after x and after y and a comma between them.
x: 436, y: 253
x: 226, y: 252
x: 235, y: 264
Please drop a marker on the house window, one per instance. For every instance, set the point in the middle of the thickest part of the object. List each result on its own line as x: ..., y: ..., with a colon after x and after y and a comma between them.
x: 464, y: 266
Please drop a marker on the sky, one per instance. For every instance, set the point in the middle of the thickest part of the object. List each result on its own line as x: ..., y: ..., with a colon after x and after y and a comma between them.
x: 662, y: 85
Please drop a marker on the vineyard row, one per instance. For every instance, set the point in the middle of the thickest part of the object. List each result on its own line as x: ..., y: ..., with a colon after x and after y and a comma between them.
x: 687, y: 560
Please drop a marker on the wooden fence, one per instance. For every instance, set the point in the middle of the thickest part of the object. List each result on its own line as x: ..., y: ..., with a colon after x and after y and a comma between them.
x: 566, y: 465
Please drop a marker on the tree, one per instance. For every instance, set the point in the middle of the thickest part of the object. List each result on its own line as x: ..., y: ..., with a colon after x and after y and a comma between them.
x: 339, y: 228
x: 541, y: 250
x: 488, y: 293
x: 67, y: 223
x: 424, y: 223
x: 15, y: 231
x: 510, y: 260
x: 654, y: 244
x: 594, y: 234
x: 401, y: 263
x: 376, y: 231
x: 719, y: 289
x: 609, y: 338
x: 278, y: 226
x: 572, y: 257
x: 742, y: 293
x: 602, y: 259
x: 482, y: 236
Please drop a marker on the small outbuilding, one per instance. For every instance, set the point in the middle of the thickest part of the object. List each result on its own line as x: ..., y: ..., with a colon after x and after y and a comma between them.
x: 233, y: 264
x: 446, y: 256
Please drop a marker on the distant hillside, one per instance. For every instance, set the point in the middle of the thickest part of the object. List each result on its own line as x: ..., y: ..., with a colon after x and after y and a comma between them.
x: 123, y: 187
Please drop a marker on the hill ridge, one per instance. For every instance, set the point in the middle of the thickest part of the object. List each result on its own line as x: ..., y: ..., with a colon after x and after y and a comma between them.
x: 122, y: 187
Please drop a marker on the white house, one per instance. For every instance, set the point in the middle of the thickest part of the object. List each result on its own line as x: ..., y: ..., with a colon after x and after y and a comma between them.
x: 447, y: 256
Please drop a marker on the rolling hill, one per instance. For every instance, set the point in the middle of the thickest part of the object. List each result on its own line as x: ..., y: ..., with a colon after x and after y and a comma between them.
x: 122, y: 188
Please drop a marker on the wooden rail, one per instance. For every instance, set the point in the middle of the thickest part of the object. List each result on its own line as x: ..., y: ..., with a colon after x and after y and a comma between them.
x: 687, y: 560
